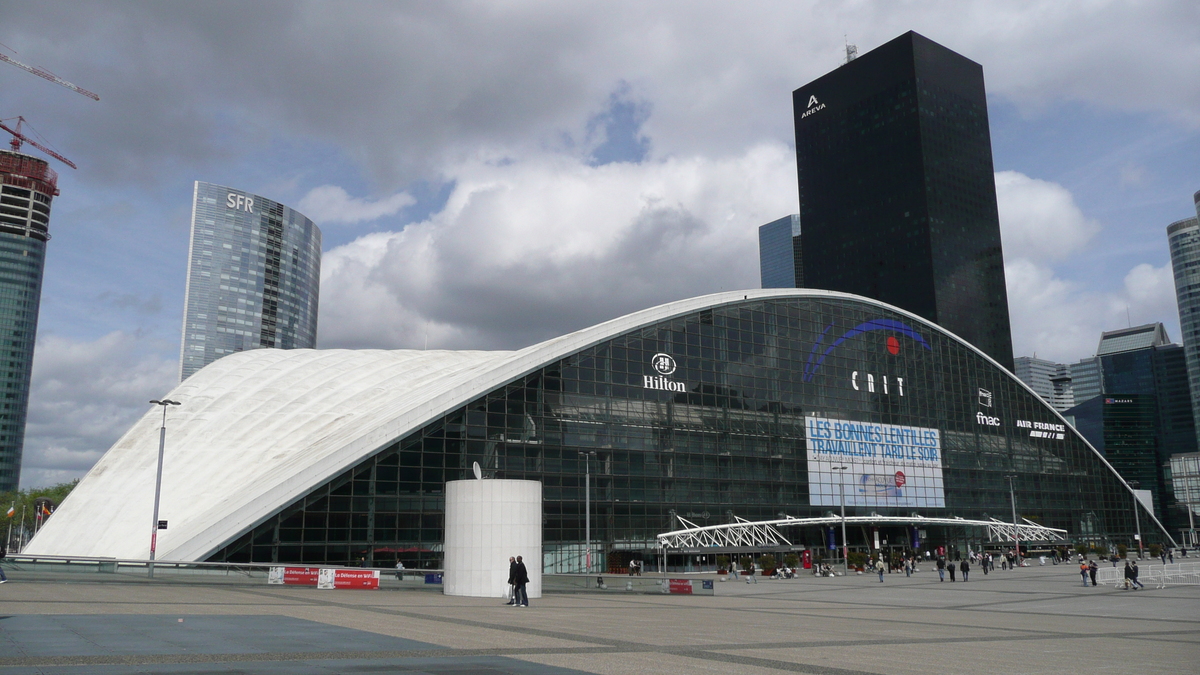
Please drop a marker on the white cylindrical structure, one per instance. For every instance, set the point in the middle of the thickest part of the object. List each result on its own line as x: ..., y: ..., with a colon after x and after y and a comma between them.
x: 487, y: 522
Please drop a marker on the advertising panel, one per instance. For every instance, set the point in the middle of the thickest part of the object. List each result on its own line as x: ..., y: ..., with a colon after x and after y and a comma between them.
x: 683, y: 586
x: 886, y: 464
x: 293, y: 576
x: 347, y: 578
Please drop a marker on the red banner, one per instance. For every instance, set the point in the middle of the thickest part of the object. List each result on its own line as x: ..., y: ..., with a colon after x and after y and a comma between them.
x: 348, y: 578
x: 683, y: 586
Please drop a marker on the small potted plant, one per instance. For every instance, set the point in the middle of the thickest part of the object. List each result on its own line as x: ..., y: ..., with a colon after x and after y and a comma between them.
x: 747, y: 565
x: 767, y: 562
x: 791, y: 561
x: 722, y: 564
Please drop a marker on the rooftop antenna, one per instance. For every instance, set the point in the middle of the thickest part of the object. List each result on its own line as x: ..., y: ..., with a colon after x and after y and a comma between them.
x: 851, y: 50
x: 1128, y: 321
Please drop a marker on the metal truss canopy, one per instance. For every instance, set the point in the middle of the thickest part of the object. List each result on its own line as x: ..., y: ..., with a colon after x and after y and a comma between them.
x: 744, y: 533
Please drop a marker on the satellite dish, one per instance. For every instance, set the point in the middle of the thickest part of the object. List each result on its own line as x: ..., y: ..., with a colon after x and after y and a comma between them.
x: 475, y: 468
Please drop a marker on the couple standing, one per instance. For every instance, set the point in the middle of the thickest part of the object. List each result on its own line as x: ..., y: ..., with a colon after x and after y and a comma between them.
x: 518, y: 576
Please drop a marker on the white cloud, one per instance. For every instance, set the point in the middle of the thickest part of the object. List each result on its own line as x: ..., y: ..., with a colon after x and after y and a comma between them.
x: 1052, y: 316
x: 405, y: 90
x: 1039, y: 220
x: 84, y: 395
x: 532, y: 248
x: 329, y: 204
x: 1061, y: 320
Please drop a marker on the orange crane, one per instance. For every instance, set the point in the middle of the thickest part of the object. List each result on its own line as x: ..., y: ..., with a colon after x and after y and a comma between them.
x: 18, y: 137
x: 43, y: 73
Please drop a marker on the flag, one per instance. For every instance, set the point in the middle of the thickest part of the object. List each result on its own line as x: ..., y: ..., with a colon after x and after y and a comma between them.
x: 12, y: 510
x: 45, y: 509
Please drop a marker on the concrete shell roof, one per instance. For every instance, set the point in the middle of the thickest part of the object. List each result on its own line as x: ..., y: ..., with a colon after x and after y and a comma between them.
x: 259, y: 429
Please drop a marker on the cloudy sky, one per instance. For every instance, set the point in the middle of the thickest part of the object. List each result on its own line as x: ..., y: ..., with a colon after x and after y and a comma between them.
x: 491, y: 174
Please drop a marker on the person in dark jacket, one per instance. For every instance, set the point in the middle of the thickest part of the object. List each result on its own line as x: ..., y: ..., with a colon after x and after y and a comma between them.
x: 3, y: 555
x: 950, y: 567
x: 1128, y: 576
x: 1136, y: 584
x: 520, y: 579
x: 964, y: 568
x: 1092, y: 569
x: 512, y: 581
x: 941, y: 568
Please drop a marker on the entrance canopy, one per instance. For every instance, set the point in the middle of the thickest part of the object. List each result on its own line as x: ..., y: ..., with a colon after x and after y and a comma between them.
x: 744, y: 533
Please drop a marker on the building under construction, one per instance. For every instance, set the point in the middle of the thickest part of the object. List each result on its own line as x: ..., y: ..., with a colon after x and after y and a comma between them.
x: 27, y: 186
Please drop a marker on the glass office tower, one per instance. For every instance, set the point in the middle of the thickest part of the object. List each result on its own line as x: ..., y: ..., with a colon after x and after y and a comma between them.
x: 254, y: 272
x: 1184, y: 239
x: 897, y: 193
x: 779, y: 254
x: 27, y: 186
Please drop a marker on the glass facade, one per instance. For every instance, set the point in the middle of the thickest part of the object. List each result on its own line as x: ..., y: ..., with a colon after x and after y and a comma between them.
x: 27, y: 186
x: 742, y: 409
x: 897, y: 192
x: 1185, y: 483
x: 254, y: 273
x: 1183, y: 237
x: 1156, y: 379
x: 780, y: 262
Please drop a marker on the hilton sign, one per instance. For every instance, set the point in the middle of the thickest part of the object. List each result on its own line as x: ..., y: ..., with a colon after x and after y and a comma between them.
x: 664, y: 365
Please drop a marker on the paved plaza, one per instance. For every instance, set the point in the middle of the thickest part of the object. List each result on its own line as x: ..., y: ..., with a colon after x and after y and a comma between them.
x: 1033, y: 620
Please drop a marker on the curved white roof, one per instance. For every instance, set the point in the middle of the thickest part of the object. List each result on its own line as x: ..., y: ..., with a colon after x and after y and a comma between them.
x: 259, y: 429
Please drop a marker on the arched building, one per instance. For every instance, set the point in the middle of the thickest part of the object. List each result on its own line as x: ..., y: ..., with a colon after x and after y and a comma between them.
x: 738, y: 403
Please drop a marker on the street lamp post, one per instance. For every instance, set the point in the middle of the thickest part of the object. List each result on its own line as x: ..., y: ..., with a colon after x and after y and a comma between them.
x: 1013, y: 500
x: 162, y: 443
x: 1137, y: 519
x: 587, y: 507
x: 842, y: 494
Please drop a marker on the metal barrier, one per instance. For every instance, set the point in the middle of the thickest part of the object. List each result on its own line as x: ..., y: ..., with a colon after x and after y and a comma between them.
x: 1161, y: 575
x: 1180, y: 573
x: 177, y: 571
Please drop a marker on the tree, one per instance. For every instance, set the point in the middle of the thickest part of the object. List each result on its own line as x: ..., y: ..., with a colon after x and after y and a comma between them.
x: 22, y: 501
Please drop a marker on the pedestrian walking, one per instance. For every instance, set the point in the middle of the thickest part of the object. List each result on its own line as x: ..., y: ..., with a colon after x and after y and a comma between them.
x: 3, y: 555
x: 512, y: 581
x: 1136, y: 584
x: 1093, y: 567
x: 1171, y: 555
x: 1083, y: 570
x: 950, y: 569
x: 399, y: 571
x: 879, y: 568
x: 941, y: 568
x: 1128, y: 576
x: 522, y: 578
x: 984, y: 563
x: 965, y: 569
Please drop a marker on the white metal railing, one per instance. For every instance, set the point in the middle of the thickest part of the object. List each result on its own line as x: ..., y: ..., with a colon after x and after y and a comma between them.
x: 762, y: 533
x: 1159, y: 575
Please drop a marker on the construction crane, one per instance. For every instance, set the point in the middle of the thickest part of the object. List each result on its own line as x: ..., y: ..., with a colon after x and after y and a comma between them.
x: 18, y: 137
x: 42, y: 72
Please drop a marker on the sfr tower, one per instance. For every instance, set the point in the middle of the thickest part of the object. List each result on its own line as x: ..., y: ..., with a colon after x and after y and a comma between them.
x: 897, y: 193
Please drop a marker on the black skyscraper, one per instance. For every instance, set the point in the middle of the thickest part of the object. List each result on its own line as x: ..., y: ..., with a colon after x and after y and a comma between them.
x: 897, y: 195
